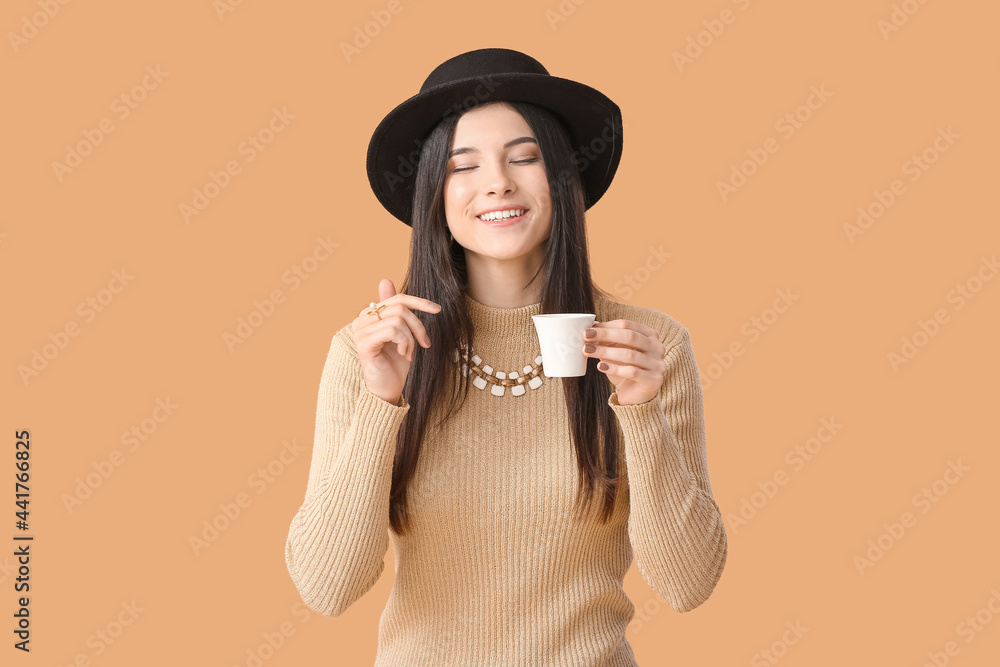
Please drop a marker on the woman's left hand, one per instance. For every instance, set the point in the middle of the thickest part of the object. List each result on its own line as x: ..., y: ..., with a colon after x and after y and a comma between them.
x: 632, y: 356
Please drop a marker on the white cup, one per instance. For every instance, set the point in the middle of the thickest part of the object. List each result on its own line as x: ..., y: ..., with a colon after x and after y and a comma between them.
x: 560, y: 336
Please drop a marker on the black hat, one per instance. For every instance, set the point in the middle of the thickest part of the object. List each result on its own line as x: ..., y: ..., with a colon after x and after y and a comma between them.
x: 477, y: 77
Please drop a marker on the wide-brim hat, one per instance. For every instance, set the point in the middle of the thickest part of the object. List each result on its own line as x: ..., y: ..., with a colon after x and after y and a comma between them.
x: 478, y: 77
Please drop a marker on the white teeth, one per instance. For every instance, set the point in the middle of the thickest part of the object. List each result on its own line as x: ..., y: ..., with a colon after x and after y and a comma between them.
x: 494, y: 215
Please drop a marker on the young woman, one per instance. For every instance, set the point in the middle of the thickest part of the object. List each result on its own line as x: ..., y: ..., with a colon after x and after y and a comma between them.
x: 515, y: 504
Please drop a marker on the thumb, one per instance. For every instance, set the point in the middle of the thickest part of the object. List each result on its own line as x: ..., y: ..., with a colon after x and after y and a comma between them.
x: 385, y: 289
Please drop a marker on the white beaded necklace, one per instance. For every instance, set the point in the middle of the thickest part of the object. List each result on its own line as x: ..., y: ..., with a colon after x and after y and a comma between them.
x: 530, y: 375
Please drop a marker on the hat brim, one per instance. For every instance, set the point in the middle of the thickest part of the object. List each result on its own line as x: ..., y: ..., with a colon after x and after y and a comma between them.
x: 594, y: 123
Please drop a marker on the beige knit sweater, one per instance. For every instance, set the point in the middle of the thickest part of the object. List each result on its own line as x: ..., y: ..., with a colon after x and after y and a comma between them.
x: 495, y: 571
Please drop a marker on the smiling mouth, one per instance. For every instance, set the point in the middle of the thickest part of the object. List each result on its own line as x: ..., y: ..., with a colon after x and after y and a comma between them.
x: 503, y: 222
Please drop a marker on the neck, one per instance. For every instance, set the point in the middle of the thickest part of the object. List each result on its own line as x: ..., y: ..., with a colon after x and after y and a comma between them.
x: 500, y: 283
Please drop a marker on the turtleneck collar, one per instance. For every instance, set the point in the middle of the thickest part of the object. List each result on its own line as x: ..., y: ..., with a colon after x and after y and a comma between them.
x: 497, y: 330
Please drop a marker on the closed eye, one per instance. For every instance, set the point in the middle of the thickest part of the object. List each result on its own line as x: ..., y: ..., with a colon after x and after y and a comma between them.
x: 528, y: 161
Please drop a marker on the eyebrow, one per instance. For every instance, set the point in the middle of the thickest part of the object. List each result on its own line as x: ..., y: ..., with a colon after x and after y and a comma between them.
x: 512, y: 142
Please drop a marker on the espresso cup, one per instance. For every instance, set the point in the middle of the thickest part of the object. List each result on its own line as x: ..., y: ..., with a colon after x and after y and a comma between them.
x: 560, y: 336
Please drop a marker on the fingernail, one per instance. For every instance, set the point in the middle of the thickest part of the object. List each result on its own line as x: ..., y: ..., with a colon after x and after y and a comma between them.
x: 589, y: 333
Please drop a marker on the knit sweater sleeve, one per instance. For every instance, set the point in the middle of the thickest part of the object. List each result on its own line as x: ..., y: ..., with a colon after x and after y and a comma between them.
x: 338, y: 538
x: 675, y: 526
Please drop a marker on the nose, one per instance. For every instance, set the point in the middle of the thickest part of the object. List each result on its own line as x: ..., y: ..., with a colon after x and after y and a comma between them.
x: 498, y: 180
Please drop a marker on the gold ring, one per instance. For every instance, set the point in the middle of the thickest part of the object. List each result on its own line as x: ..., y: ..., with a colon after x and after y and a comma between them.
x: 376, y: 309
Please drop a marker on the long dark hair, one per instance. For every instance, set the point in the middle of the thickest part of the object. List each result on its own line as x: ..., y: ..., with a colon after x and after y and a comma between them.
x: 437, y: 271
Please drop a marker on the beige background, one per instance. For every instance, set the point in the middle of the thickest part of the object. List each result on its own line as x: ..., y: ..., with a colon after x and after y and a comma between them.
x: 161, y: 335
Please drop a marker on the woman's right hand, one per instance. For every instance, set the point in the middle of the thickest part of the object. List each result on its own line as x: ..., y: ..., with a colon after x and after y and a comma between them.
x: 385, y: 366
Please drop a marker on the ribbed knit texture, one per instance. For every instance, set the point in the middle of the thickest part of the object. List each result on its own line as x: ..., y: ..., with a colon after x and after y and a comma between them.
x: 495, y: 570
